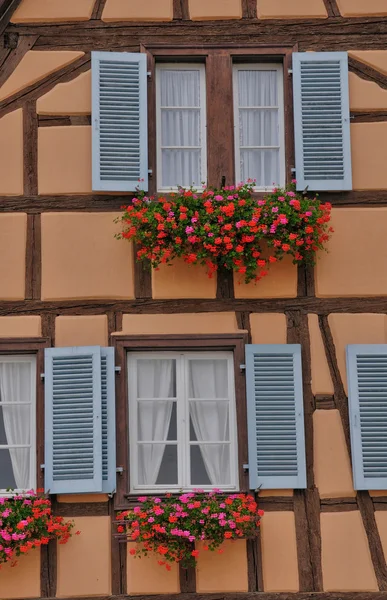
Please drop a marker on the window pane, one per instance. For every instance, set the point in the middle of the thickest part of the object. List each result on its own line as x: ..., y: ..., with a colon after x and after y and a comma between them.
x: 156, y: 378
x: 208, y: 378
x: 157, y: 420
x: 257, y: 88
x: 259, y: 127
x: 15, y: 424
x: 180, y: 88
x: 15, y: 468
x: 157, y: 464
x: 181, y: 167
x: 199, y: 474
x: 216, y: 458
x: 262, y: 165
x: 180, y: 127
x: 209, y: 421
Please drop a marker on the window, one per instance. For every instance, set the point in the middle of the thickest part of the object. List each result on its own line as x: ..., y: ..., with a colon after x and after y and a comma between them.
x: 182, y: 421
x: 259, y: 124
x: 17, y: 422
x: 181, y: 125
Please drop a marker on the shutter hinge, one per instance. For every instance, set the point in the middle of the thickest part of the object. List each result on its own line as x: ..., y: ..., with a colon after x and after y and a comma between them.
x: 149, y: 74
x: 117, y: 369
x: 290, y: 71
x: 150, y: 172
x: 119, y: 470
x: 42, y: 467
x: 42, y: 376
x: 242, y: 367
x: 293, y: 170
x: 245, y: 467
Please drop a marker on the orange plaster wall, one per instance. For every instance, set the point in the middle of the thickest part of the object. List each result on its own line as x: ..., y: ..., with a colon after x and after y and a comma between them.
x: 369, y: 146
x: 13, y: 234
x: 225, y: 572
x: 374, y: 58
x: 82, y: 259
x: 215, y: 9
x: 346, y: 269
x: 281, y: 282
x: 268, y: 328
x: 366, y: 95
x: 279, y: 552
x: 81, y: 331
x: 132, y: 10
x: 321, y: 377
x: 33, y: 11
x: 22, y: 581
x: 200, y: 323
x: 332, y: 467
x: 84, y: 563
x: 358, y: 8
x: 11, y: 153
x: 291, y: 9
x: 34, y: 66
x: 20, y: 327
x: 145, y: 576
x: 64, y: 160
x: 346, y: 560
x: 180, y: 280
x: 70, y: 98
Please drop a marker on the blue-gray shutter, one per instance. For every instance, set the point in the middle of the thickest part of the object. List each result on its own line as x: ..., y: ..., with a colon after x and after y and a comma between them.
x: 73, y: 430
x: 108, y: 420
x: 275, y: 416
x: 322, y: 121
x: 119, y: 121
x: 367, y: 397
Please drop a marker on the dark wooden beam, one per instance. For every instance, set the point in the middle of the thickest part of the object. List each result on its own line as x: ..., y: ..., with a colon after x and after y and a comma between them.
x: 254, y: 564
x: 249, y: 9
x: 180, y: 10
x: 81, y: 509
x: 98, y: 9
x: 367, y: 72
x: 48, y: 569
x: 338, y: 504
x: 7, y: 8
x: 241, y: 596
x: 142, y: 277
x: 187, y: 578
x: 376, y: 116
x: 30, y: 148
x: 324, y: 401
x: 33, y: 272
x: 63, y: 120
x: 13, y: 57
x: 332, y: 8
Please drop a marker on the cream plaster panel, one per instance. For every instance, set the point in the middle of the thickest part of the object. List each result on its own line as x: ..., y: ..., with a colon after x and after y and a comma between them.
x: 70, y: 98
x: 84, y: 563
x: 23, y: 580
x: 366, y: 95
x: 346, y: 560
x: 180, y: 280
x: 13, y: 234
x: 381, y: 522
x: 224, y: 572
x: 279, y: 552
x: 132, y: 10
x: 359, y: 8
x: 346, y: 269
x: 281, y: 282
x: 145, y: 576
x: 268, y: 328
x: 374, y: 58
x: 33, y: 11
x: 34, y: 66
x: 81, y: 331
x: 332, y: 467
x: 321, y: 377
x: 20, y: 327
x: 82, y: 259
x: 215, y: 9
x: 369, y: 146
x: 190, y: 323
x: 270, y: 493
x: 11, y: 153
x: 291, y: 9
x: 64, y: 160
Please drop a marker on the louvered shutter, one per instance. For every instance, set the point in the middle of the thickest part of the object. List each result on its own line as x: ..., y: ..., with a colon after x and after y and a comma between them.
x: 322, y: 121
x: 119, y: 121
x: 367, y: 397
x: 108, y: 421
x: 275, y: 416
x: 73, y: 430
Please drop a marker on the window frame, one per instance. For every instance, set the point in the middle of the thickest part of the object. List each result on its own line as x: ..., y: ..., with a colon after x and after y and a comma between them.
x: 178, y: 66
x: 183, y: 439
x: 261, y: 66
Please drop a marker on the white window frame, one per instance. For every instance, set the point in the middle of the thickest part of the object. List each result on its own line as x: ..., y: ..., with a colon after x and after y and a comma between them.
x: 31, y: 359
x: 203, y: 120
x: 281, y: 119
x: 183, y: 422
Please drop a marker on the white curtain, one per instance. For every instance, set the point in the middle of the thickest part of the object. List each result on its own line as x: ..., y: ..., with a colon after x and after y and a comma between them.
x: 155, y: 383
x: 210, y: 417
x: 15, y: 387
x: 180, y: 127
x: 258, y: 126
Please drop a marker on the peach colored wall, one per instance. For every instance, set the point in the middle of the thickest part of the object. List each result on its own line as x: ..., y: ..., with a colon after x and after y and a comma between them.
x: 20, y: 327
x: 269, y: 493
x: 358, y: 8
x: 22, y: 581
x: 132, y: 10
x: 332, y: 467
x: 179, y: 323
x: 291, y: 9
x: 279, y: 552
x: 84, y: 565
x: 346, y: 269
x: 280, y: 283
x: 31, y: 11
x: 34, y: 66
x: 374, y: 58
x: 64, y: 160
x: 13, y: 234
x: 11, y: 153
x: 215, y: 9
x: 355, y: 329
x: 82, y: 259
x: 180, y: 280
x: 145, y: 576
x: 268, y: 328
x: 346, y: 560
x: 369, y: 146
x: 70, y: 98
x: 366, y: 95
x: 381, y: 522
x: 225, y: 572
x: 81, y: 331
x: 321, y: 377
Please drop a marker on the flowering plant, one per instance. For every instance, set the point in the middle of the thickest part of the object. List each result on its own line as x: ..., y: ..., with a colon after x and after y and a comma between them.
x: 26, y: 522
x: 229, y: 227
x: 170, y: 527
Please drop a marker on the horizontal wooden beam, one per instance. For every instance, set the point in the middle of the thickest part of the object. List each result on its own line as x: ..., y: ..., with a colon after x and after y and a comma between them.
x: 243, y: 596
x: 61, y: 120
x: 369, y: 116
x: 338, y: 504
x: 81, y: 509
